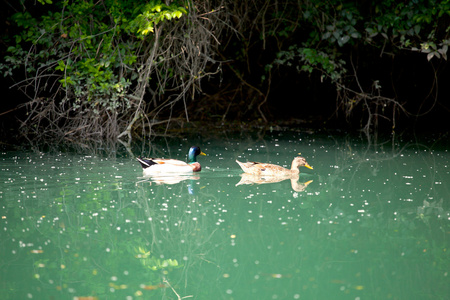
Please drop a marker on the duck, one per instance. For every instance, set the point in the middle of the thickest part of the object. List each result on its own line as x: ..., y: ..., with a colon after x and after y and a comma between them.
x: 160, y: 166
x: 257, y: 168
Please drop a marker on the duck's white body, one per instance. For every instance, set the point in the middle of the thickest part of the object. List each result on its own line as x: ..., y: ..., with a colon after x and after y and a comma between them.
x: 161, y: 166
x: 171, y: 166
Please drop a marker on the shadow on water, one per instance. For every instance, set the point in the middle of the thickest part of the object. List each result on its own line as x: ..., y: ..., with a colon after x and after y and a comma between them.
x: 371, y: 221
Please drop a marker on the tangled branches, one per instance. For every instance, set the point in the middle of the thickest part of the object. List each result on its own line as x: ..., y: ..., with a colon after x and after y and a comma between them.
x: 104, y: 76
x: 179, y: 58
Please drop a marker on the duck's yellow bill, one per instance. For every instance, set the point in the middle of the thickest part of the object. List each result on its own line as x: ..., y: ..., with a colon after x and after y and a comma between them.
x: 201, y: 153
x: 309, y: 167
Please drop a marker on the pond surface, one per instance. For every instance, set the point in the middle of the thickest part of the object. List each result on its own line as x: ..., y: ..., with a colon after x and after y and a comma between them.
x: 371, y: 222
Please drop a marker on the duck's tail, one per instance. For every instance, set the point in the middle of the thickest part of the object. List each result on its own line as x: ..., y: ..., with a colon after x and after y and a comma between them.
x: 145, y: 162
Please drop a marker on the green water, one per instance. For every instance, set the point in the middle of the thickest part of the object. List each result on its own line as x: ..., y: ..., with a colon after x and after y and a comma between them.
x: 374, y: 223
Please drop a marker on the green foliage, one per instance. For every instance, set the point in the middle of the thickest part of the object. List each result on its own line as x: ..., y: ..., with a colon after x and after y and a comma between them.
x: 308, y: 60
x: 81, y: 46
x: 413, y: 25
x: 98, y: 57
x: 154, y: 13
x: 87, y: 53
x: 338, y: 34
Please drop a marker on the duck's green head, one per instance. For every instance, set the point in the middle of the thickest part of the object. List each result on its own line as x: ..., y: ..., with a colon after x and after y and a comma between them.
x: 193, y: 153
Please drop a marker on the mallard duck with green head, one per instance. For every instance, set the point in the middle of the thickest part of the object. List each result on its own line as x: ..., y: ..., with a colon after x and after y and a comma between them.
x: 158, y: 166
x: 257, y: 168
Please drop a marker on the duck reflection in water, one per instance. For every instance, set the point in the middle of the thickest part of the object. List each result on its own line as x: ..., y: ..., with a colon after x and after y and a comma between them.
x: 170, y: 179
x: 256, y: 172
x: 175, y: 179
x: 258, y: 179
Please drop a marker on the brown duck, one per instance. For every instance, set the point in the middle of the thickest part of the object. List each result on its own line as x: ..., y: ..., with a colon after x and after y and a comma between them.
x: 257, y: 168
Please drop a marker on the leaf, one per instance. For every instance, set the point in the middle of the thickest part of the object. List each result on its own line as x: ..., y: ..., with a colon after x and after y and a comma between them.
x: 326, y: 35
x: 61, y: 66
x: 430, y: 56
x: 417, y: 29
x: 146, y: 31
x: 178, y: 14
x: 344, y: 39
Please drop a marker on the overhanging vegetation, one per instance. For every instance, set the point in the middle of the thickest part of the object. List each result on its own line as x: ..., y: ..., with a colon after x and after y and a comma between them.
x: 111, y: 69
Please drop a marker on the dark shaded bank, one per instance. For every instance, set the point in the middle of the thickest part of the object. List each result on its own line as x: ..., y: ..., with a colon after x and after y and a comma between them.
x: 296, y: 100
x: 236, y: 64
